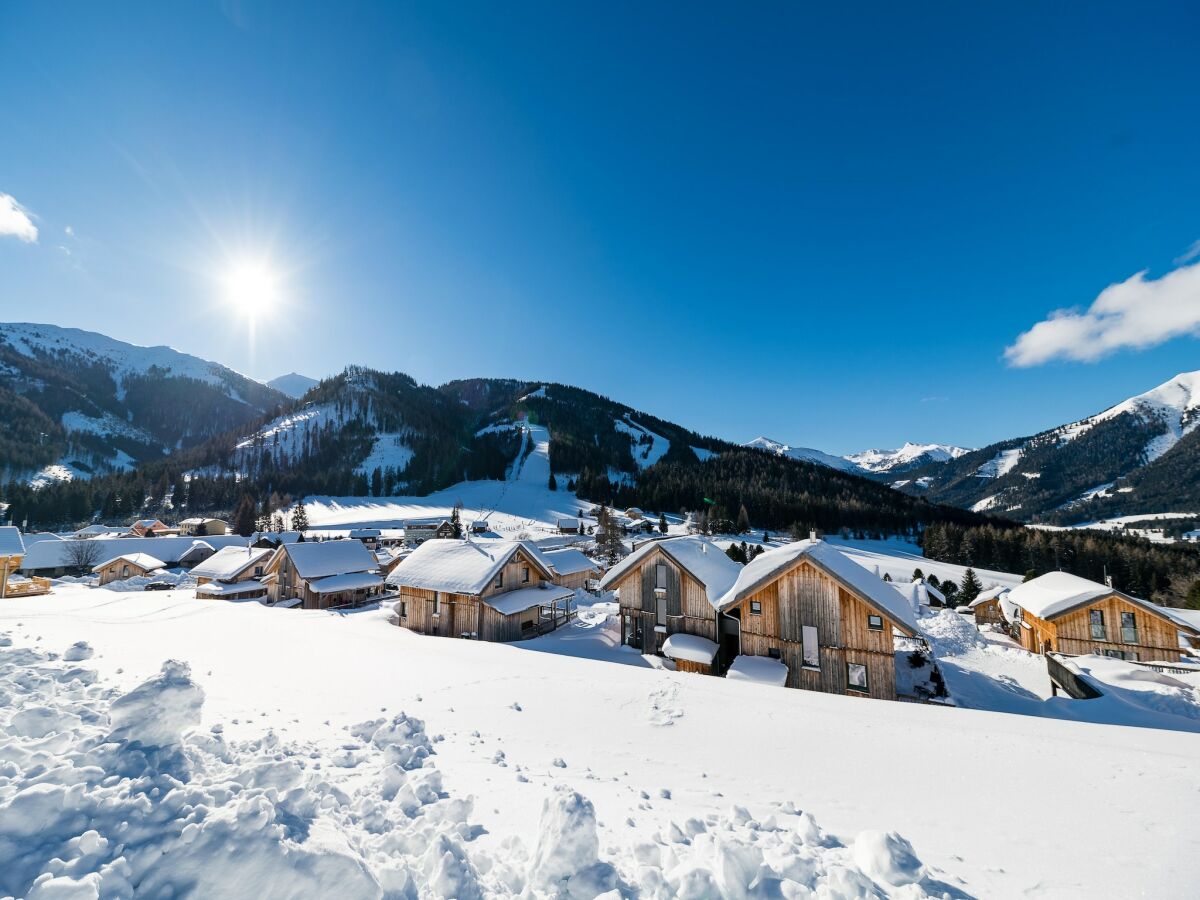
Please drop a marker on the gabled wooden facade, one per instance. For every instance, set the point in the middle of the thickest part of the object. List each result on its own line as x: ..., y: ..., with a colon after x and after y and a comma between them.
x: 1112, y: 625
x: 660, y: 597
x: 427, y: 610
x: 830, y: 638
x: 988, y: 612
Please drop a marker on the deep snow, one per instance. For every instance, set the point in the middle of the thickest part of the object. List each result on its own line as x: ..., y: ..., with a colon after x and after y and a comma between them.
x: 338, y: 753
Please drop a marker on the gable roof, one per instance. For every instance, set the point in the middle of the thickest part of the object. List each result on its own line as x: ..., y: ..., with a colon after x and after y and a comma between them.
x: 11, y: 543
x: 1057, y: 593
x: 990, y: 594
x: 698, y: 556
x: 320, y: 559
x: 461, y: 567
x: 570, y: 562
x: 58, y: 554
x: 230, y: 562
x: 766, y: 567
x: 142, y: 560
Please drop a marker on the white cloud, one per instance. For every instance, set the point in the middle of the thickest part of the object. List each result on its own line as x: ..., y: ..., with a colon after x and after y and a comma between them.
x: 15, y: 221
x: 1134, y: 314
x: 69, y: 231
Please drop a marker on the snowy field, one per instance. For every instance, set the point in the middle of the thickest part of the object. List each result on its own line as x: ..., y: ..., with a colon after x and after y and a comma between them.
x: 305, y: 753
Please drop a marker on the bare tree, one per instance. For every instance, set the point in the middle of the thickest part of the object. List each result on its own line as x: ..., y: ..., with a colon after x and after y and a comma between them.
x: 83, y: 555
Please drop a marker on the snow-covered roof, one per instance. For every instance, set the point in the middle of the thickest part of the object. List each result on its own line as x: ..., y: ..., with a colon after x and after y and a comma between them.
x: 11, y: 543
x: 39, y: 536
x: 512, y: 602
x: 97, y: 529
x: 57, y: 554
x: 141, y: 560
x: 200, y: 520
x: 200, y: 545
x: 1055, y: 593
x: 460, y: 567
x: 230, y: 562
x: 320, y: 559
x: 767, y: 566
x: 690, y: 648
x: 759, y: 669
x: 700, y: 557
x: 360, y: 533
x: 568, y: 523
x: 989, y: 594
x: 351, y: 581
x: 230, y: 588
x: 570, y: 562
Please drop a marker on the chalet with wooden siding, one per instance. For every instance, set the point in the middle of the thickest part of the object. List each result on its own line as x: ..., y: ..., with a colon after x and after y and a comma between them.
x: 569, y: 526
x: 232, y: 573
x: 323, y: 574
x: 198, y: 526
x: 129, y: 565
x: 674, y: 586
x: 487, y: 590
x: 417, y: 532
x: 830, y: 621
x: 1067, y: 614
x: 988, y: 607
x: 571, y: 568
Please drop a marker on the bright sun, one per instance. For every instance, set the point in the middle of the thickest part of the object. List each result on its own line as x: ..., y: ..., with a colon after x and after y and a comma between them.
x: 252, y: 288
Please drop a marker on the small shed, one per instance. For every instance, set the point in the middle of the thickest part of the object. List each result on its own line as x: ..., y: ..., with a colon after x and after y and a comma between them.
x: 568, y: 526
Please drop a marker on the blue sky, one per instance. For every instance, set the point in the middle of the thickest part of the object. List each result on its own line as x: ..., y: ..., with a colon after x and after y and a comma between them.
x: 821, y: 224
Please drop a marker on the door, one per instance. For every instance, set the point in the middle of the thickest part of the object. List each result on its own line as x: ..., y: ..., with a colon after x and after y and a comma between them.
x: 730, y: 626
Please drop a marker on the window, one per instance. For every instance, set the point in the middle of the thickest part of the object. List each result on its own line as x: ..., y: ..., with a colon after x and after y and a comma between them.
x: 257, y: 571
x: 756, y: 607
x: 660, y: 608
x: 500, y: 579
x: 856, y: 677
x: 1096, y: 618
x: 437, y: 603
x: 1129, y: 633
x: 525, y: 575
x: 811, y: 655
x: 875, y: 623
x: 403, y: 609
x: 774, y: 653
x: 660, y: 576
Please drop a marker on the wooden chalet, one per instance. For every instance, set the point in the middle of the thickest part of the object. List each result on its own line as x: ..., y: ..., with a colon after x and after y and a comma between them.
x: 199, y: 526
x: 672, y: 586
x: 486, y: 590
x: 572, y: 569
x: 232, y: 573
x: 1064, y: 613
x: 129, y: 565
x: 151, y: 528
x: 12, y: 555
x: 369, y: 537
x: 824, y: 622
x: 197, y: 553
x: 988, y: 607
x: 418, y: 532
x: 323, y: 574
x: 569, y: 526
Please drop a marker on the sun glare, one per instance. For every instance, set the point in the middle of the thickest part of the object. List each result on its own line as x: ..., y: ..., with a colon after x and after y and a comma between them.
x: 252, y: 288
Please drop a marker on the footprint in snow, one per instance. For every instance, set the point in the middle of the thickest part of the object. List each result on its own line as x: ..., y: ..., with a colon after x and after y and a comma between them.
x: 664, y: 709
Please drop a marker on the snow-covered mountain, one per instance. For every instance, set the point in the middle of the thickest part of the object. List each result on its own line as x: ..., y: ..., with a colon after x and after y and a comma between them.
x: 904, y: 458
x: 1140, y: 455
x: 293, y: 384
x: 75, y: 403
x: 805, y: 454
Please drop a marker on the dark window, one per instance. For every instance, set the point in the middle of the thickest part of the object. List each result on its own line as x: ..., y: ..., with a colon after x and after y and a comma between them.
x: 1129, y: 634
x: 525, y: 575
x: 1096, y: 618
x: 500, y: 579
x: 257, y: 571
x: 756, y: 607
x: 774, y: 653
x: 856, y: 677
x: 660, y: 576
x: 437, y: 603
x: 403, y: 609
x: 875, y: 623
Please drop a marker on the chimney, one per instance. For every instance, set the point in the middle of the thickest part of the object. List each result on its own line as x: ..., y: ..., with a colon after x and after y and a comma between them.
x: 812, y: 535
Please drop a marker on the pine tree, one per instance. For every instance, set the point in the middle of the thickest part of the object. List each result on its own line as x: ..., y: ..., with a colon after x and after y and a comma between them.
x: 553, y: 482
x: 918, y: 575
x: 662, y: 523
x: 970, y: 587
x: 887, y: 577
x: 743, y: 520
x: 1029, y: 575
x: 243, y: 516
x: 1193, y: 596
x: 456, y: 521
x: 299, y: 517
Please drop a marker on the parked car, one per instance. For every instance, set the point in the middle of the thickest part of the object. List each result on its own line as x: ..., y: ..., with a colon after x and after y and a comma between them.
x: 158, y: 586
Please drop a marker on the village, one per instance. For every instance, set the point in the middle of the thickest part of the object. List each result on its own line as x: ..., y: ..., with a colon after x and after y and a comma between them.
x: 813, y: 614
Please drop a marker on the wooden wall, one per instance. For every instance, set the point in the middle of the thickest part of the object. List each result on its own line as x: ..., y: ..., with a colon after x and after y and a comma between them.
x: 575, y: 580
x: 1157, y: 636
x: 688, y: 609
x: 989, y: 613
x: 807, y: 596
x: 461, y: 613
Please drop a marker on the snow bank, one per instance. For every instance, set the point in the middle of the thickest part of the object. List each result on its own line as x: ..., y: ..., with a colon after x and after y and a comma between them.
x: 690, y: 648
x: 110, y: 794
x: 759, y: 669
